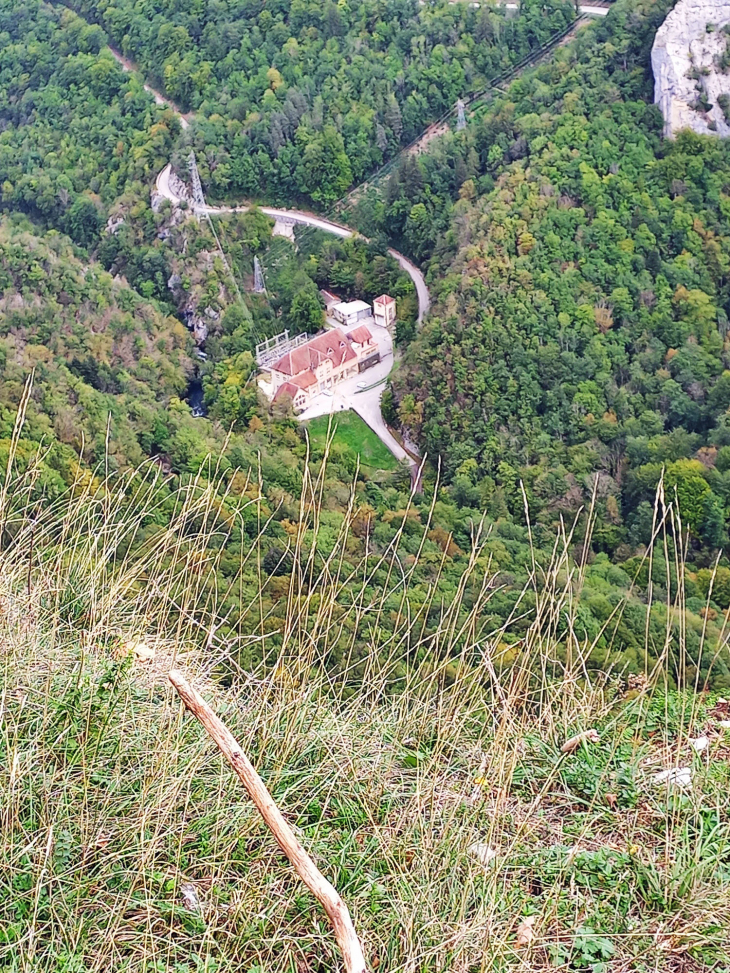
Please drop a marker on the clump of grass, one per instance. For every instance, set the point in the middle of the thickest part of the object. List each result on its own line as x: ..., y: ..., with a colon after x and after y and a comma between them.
x: 128, y: 846
x: 724, y: 103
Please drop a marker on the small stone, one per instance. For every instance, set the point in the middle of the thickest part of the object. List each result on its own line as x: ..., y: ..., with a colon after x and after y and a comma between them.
x: 190, y: 898
x: 680, y: 777
x: 699, y: 744
x: 141, y: 651
x: 525, y: 932
x: 484, y: 853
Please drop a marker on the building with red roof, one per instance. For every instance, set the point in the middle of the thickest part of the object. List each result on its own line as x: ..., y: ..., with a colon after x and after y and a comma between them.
x: 360, y: 336
x: 322, y: 363
x: 384, y: 311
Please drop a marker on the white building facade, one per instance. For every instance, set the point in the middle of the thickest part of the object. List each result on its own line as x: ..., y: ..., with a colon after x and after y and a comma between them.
x: 350, y: 313
x: 384, y: 311
x: 322, y: 363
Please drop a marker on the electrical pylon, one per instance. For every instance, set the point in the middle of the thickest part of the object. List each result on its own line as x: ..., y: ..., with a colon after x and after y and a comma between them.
x: 259, y: 284
x: 198, y: 197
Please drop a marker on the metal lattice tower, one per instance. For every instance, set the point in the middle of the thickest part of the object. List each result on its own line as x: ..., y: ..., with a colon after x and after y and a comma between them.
x: 461, y: 116
x: 201, y: 208
x: 198, y: 197
x: 259, y: 284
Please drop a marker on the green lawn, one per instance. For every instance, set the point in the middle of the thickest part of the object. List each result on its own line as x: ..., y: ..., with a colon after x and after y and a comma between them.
x: 353, y: 432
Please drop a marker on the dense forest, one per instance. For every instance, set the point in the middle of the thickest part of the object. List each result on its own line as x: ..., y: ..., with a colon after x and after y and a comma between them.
x: 580, y: 345
x: 77, y: 131
x: 576, y: 343
x: 303, y: 99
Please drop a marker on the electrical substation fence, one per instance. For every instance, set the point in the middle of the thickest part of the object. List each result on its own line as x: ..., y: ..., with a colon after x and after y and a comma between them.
x: 272, y: 349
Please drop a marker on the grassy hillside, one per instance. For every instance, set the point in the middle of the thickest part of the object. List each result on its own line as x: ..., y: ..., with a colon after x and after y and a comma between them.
x: 348, y: 429
x: 402, y: 670
x: 441, y: 807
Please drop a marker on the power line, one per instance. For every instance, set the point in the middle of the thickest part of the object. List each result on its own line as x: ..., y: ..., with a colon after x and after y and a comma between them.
x: 198, y: 197
x: 259, y: 284
x: 200, y: 207
x: 491, y: 85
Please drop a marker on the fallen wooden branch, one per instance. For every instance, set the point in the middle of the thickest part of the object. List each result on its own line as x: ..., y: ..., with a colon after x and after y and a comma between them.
x: 315, y: 881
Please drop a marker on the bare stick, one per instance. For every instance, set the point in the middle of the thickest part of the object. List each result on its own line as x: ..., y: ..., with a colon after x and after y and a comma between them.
x: 587, y: 736
x: 306, y: 869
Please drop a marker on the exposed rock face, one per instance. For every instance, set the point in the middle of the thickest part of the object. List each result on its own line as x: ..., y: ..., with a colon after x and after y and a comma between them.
x: 178, y: 187
x: 114, y: 224
x: 688, y: 78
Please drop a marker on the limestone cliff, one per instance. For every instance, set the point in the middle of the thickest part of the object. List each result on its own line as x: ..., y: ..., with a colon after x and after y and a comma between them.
x: 688, y: 58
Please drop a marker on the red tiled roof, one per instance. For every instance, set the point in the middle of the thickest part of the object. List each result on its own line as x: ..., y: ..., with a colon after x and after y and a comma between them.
x: 384, y: 299
x: 304, y: 380
x: 298, y: 383
x: 361, y: 335
x: 331, y: 345
x: 286, y: 389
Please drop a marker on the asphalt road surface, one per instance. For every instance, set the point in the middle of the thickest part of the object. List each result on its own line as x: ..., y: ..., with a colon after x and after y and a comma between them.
x: 306, y: 219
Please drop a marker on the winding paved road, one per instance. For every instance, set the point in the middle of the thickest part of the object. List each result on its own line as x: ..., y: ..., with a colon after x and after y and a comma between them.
x: 163, y: 187
x: 365, y: 403
x: 586, y: 9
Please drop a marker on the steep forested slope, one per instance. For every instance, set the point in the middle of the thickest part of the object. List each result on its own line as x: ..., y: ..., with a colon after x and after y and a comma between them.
x: 107, y: 366
x: 75, y: 130
x: 304, y: 98
x: 581, y: 335
x: 108, y: 371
